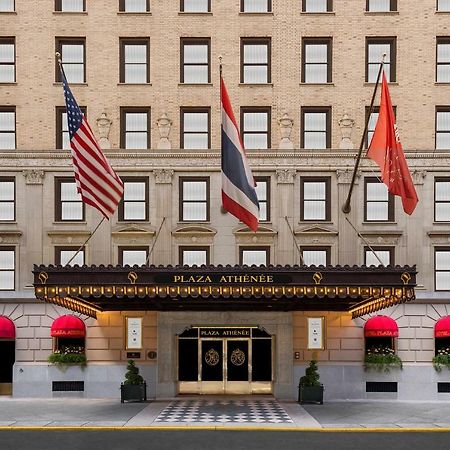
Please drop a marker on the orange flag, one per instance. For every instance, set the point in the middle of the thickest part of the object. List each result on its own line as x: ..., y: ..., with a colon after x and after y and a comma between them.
x: 386, y: 150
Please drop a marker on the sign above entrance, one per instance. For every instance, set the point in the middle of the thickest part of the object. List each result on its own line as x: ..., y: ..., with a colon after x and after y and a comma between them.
x: 223, y: 278
x: 224, y: 332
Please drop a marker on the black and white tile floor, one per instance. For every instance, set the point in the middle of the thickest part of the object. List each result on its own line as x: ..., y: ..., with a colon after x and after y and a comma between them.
x: 224, y: 411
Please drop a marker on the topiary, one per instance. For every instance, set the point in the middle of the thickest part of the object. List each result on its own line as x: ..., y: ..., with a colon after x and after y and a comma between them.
x: 311, y: 377
x: 132, y: 375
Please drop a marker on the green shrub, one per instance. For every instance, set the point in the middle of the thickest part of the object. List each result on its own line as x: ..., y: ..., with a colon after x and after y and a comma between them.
x: 382, y: 359
x: 442, y: 359
x: 311, y: 377
x: 68, y: 355
x: 132, y: 375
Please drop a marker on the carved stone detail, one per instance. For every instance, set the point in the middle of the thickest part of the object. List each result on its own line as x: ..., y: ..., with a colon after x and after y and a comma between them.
x: 418, y: 176
x: 10, y: 236
x: 33, y: 176
x: 344, y: 176
x: 286, y: 124
x: 163, y: 176
x: 346, y: 125
x: 104, y: 126
x: 164, y: 124
x: 286, y: 176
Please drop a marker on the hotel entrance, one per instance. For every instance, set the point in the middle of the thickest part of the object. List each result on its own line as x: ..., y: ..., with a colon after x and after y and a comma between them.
x: 225, y: 360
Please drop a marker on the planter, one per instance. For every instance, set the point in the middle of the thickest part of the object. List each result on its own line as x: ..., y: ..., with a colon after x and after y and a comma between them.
x: 133, y: 392
x: 310, y: 394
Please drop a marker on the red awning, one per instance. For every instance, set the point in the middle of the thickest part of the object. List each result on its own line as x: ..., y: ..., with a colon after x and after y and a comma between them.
x: 7, y: 328
x: 68, y: 326
x: 442, y: 327
x: 381, y: 326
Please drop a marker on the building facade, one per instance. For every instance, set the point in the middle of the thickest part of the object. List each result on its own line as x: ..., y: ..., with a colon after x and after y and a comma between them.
x: 300, y: 77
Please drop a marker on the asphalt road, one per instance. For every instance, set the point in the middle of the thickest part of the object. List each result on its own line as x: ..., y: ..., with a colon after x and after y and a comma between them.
x: 219, y: 439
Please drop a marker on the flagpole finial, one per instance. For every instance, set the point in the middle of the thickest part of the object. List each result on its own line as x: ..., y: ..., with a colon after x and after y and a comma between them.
x: 220, y: 59
x: 58, y: 57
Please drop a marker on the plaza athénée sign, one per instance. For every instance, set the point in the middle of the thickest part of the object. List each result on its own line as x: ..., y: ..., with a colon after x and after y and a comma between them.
x: 221, y: 278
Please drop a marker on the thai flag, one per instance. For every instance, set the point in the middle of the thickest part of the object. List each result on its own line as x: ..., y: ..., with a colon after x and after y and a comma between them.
x: 238, y: 186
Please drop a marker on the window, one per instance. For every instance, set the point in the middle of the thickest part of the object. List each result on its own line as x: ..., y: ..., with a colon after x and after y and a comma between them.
x: 316, y: 256
x: 378, y: 203
x: 194, y: 199
x: 255, y: 60
x: 134, y: 204
x: 6, y: 6
x: 195, y: 128
x: 373, y: 122
x: 135, y: 60
x: 316, y: 60
x: 195, y: 61
x: 263, y: 194
x: 443, y: 5
x: 381, y: 5
x: 195, y: 6
x: 69, y: 206
x: 7, y: 268
x: 72, y: 52
x: 443, y: 60
x: 386, y: 255
x: 256, y: 6
x: 259, y: 256
x: 375, y: 48
x: 315, y: 193
x: 135, y: 128
x: 62, y: 128
x: 443, y: 128
x: 442, y: 199
x: 316, y: 128
x: 315, y: 6
x: 255, y: 127
x: 7, y: 127
x: 70, y: 5
x: 134, y: 6
x: 64, y: 254
x: 7, y: 199
x: 190, y: 256
x: 442, y: 268
x: 133, y: 256
x: 7, y: 60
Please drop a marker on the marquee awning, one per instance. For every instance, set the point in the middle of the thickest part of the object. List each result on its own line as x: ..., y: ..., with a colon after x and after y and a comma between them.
x: 358, y: 290
x: 381, y: 326
x: 68, y: 326
x: 7, y: 328
x: 442, y: 327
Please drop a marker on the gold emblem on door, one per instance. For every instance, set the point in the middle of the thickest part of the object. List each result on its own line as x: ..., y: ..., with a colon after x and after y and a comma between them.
x: 212, y: 357
x: 237, y: 357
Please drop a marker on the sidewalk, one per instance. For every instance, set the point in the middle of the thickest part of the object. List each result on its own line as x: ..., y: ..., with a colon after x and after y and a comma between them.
x: 223, y: 412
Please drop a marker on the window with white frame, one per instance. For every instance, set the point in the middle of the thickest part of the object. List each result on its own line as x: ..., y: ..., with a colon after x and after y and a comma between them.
x: 134, y: 203
x: 7, y: 268
x: 385, y: 254
x: 378, y: 203
x: 195, y: 6
x: 7, y: 199
x: 442, y: 268
x: 7, y: 127
x: 190, y: 256
x: 70, y: 5
x: 194, y: 199
x: 315, y: 256
x: 7, y: 59
x: 68, y: 203
x: 133, y: 256
x: 258, y: 256
x: 315, y: 195
x: 65, y: 254
x: 134, y: 6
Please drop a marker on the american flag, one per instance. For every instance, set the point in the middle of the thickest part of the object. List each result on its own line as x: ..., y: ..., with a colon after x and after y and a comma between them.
x: 97, y: 183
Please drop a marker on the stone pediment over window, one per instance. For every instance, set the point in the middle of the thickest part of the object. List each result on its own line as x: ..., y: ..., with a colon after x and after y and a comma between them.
x: 316, y: 234
x: 133, y: 234
x: 316, y: 229
x: 199, y: 234
x: 10, y: 236
x: 385, y: 237
x: 76, y: 237
x: 263, y: 235
x: 439, y: 237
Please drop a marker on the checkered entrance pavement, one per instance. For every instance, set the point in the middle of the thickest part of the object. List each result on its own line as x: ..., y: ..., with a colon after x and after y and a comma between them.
x: 224, y: 411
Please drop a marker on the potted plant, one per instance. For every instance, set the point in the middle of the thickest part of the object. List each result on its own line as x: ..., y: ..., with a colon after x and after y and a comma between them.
x: 442, y: 359
x: 68, y: 355
x: 134, y: 388
x: 310, y: 390
x: 382, y: 359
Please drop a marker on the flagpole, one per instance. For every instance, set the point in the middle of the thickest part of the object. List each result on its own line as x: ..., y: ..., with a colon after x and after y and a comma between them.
x: 154, y: 242
x: 346, y: 208
x: 302, y: 261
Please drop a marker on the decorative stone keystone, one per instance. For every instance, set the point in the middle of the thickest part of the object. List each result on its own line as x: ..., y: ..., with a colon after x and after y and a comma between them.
x: 286, y: 124
x: 33, y: 176
x: 346, y: 125
x: 104, y: 126
x: 286, y: 176
x: 164, y: 125
x: 163, y: 176
x: 418, y: 176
